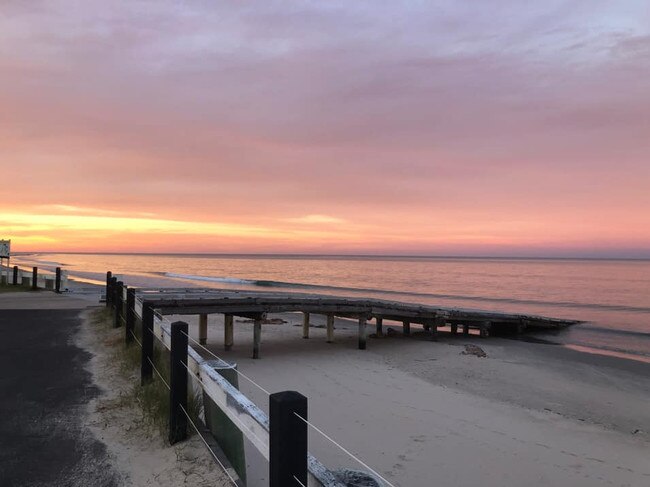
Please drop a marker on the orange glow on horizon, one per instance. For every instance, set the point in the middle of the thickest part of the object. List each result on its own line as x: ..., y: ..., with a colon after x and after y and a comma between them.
x: 68, y: 228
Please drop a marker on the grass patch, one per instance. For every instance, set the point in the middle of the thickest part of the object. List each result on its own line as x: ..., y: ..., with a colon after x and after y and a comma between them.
x: 153, y: 398
x: 10, y: 288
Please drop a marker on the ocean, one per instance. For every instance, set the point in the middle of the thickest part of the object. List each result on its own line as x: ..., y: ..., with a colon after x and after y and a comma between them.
x: 611, y: 297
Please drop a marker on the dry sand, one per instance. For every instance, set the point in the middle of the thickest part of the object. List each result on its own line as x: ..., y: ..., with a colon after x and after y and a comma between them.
x: 136, y: 449
x: 425, y: 413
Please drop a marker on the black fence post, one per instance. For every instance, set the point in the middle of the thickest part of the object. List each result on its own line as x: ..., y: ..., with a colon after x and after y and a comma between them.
x: 146, y: 370
x: 288, y: 439
x: 109, y: 276
x: 15, y: 279
x: 130, y: 315
x: 178, y: 383
x: 57, y: 282
x: 113, y: 291
x: 119, y: 304
x: 35, y: 278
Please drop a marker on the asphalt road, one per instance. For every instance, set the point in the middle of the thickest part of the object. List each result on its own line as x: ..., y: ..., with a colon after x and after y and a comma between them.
x: 44, y: 389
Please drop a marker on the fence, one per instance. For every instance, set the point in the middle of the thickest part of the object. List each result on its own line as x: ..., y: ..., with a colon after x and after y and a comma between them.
x: 281, y: 437
x: 34, y: 278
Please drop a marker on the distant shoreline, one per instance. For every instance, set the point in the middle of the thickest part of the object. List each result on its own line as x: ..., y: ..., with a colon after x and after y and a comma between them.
x: 341, y: 256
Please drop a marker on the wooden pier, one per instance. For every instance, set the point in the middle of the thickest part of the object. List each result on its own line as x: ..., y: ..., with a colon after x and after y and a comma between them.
x: 258, y: 305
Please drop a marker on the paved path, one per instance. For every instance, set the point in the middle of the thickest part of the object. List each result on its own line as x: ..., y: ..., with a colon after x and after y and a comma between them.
x: 44, y: 389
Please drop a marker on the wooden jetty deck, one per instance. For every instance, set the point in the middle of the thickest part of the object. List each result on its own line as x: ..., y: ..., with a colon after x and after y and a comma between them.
x: 258, y: 305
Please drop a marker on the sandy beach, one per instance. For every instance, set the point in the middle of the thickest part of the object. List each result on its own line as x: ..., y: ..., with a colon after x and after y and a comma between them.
x: 428, y: 413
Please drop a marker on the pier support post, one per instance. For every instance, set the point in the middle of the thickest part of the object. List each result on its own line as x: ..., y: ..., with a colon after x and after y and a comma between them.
x: 305, y: 325
x: 485, y: 329
x: 380, y: 327
x: 57, y: 281
x: 521, y: 326
x: 362, y: 333
x: 15, y: 276
x: 109, y: 277
x: 203, y: 329
x: 287, y: 439
x: 130, y: 315
x: 257, y: 337
x: 178, y: 383
x: 434, y: 328
x: 454, y: 328
x: 330, y: 328
x: 465, y: 329
x: 406, y: 327
x: 228, y: 331
x: 146, y: 369
x: 34, y: 278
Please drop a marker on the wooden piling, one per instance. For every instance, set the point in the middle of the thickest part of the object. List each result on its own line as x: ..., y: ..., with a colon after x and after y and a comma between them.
x: 406, y: 328
x: 203, y: 329
x: 485, y: 329
x: 34, y: 278
x: 109, y: 281
x: 57, y: 281
x: 178, y: 383
x: 362, y: 333
x: 15, y: 276
x: 228, y: 331
x: 113, y: 290
x: 119, y: 304
x: 305, y: 325
x: 330, y: 328
x: 146, y: 369
x: 380, y: 327
x: 465, y: 329
x: 454, y: 328
x: 287, y: 439
x: 130, y: 315
x: 257, y: 337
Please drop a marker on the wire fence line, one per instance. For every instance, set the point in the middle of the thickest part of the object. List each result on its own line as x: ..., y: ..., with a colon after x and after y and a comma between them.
x: 165, y: 321
x: 136, y: 338
x: 159, y: 374
x: 335, y: 443
x: 241, y: 374
x: 214, y: 455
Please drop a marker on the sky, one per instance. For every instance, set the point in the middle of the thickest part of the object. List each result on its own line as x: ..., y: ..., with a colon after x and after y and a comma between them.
x: 406, y: 127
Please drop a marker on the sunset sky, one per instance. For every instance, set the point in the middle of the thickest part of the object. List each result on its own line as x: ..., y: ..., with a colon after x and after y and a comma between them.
x: 452, y: 127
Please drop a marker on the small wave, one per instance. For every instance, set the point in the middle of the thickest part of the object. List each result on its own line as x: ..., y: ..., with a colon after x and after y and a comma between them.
x: 453, y: 297
x: 225, y: 280
x: 614, y: 331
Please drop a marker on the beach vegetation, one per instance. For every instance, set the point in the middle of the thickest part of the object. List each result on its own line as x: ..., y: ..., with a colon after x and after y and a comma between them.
x: 152, y: 398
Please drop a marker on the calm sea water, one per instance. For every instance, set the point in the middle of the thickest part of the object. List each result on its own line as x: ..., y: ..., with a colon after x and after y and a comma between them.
x: 611, y: 296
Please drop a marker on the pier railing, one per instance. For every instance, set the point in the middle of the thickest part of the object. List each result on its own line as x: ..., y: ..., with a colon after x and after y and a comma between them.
x: 281, y: 437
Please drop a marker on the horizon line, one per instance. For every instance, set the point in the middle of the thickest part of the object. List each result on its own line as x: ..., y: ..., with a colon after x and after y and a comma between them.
x: 299, y: 254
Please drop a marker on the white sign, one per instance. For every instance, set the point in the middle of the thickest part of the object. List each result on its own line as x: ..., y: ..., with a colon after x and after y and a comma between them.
x: 4, y: 248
